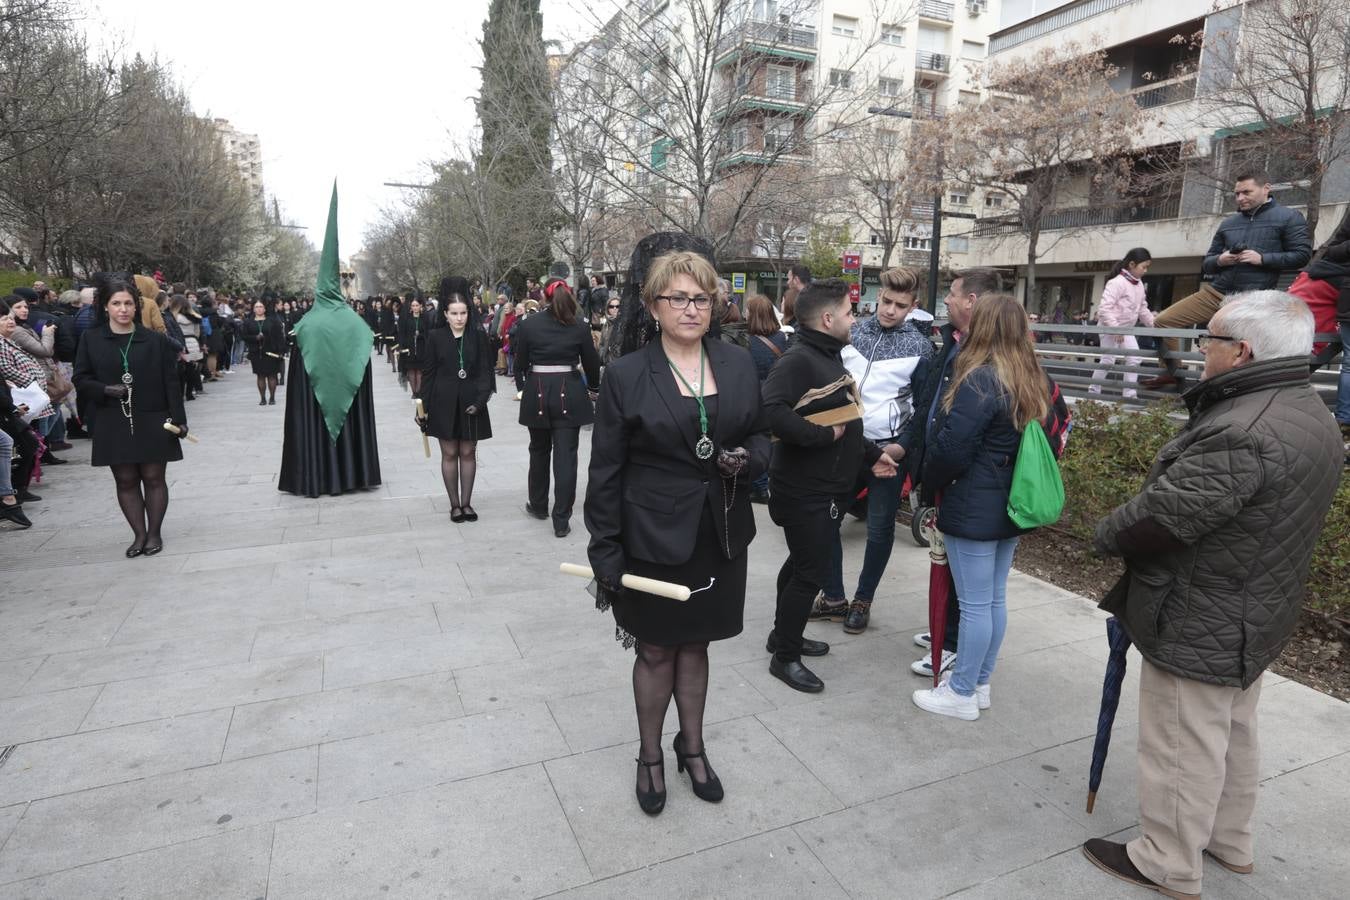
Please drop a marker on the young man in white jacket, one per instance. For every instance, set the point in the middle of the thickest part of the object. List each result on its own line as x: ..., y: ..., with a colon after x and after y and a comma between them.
x: 887, y: 355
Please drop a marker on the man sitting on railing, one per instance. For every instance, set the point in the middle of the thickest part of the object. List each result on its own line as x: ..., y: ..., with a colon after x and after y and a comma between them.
x: 1249, y: 251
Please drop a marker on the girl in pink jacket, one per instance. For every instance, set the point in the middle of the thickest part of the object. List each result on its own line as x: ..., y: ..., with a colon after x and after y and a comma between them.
x: 1123, y: 306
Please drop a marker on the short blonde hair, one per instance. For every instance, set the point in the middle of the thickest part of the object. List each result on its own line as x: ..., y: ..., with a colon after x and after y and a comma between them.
x: 672, y: 265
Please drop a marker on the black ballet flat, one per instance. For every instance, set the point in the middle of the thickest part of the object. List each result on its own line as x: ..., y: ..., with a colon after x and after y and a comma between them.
x: 272, y: 402
x: 456, y: 514
x: 134, y: 551
x: 652, y: 801
x: 710, y: 790
x: 470, y: 515
x: 152, y: 549
x: 262, y: 402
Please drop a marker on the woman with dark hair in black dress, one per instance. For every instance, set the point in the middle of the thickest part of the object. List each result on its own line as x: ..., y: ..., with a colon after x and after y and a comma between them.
x: 457, y: 380
x: 265, y: 337
x: 412, y: 344
x: 388, y: 334
x: 127, y: 381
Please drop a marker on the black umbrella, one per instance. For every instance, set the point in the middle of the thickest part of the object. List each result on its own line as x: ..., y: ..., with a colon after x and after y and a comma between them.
x: 1119, y: 642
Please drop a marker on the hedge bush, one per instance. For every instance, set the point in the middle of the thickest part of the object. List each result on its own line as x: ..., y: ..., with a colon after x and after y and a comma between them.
x: 12, y: 278
x: 1109, y: 454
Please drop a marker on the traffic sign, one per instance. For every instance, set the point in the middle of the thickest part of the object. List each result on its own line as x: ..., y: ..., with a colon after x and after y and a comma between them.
x: 738, y: 282
x: 852, y: 262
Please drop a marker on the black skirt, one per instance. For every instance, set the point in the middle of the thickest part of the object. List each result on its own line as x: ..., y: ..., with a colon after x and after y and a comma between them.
x: 714, y: 611
x: 264, y: 364
x: 114, y: 442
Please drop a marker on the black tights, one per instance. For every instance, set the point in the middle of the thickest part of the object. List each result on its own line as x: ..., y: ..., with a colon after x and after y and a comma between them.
x: 658, y: 674
x: 144, y: 497
x: 459, y: 467
x: 267, y: 383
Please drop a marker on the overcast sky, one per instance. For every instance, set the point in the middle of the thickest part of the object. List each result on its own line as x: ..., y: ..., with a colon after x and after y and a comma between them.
x: 365, y: 96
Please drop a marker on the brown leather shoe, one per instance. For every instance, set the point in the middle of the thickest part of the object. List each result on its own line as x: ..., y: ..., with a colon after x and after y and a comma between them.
x: 1236, y: 869
x: 1113, y: 859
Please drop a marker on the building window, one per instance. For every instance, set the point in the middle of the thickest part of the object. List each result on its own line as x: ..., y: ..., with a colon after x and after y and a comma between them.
x: 780, y: 82
x: 845, y: 26
x: 918, y: 243
x: 959, y: 199
x: 967, y: 98
x: 958, y: 244
x: 934, y: 40
x: 890, y: 87
x: 887, y: 138
x: 993, y: 201
x: 972, y: 50
x: 841, y: 78
x: 893, y: 35
x: 736, y: 138
x: 777, y: 135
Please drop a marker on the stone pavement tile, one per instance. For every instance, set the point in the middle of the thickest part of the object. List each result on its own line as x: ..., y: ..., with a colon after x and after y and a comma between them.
x: 9, y: 819
x: 606, y: 718
x: 579, y: 629
x: 125, y: 661
x: 370, y: 506
x: 189, y: 613
x: 506, y: 684
x: 499, y: 835
x: 549, y: 601
x: 113, y: 821
x: 90, y: 575
x: 332, y: 715
x: 1299, y: 828
x: 358, y: 593
x: 1051, y: 624
x: 406, y: 759
x: 92, y: 759
x: 14, y: 674
x: 215, y: 687
x: 59, y: 630
x: 303, y: 570
x: 389, y: 527
x: 978, y: 825
x: 1025, y: 591
x: 1069, y: 876
x: 243, y: 557
x: 463, y: 646
x: 1298, y: 725
x: 857, y: 665
x: 766, y: 788
x: 232, y: 865
x: 763, y: 867
x: 1059, y: 775
x: 871, y: 744
x: 32, y: 718
x: 214, y: 584
x: 1054, y: 695
x: 315, y: 635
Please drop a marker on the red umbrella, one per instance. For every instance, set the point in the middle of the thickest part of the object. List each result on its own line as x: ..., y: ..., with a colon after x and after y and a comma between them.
x: 940, y: 589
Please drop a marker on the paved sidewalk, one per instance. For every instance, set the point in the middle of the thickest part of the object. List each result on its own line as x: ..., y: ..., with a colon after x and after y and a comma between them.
x: 352, y: 697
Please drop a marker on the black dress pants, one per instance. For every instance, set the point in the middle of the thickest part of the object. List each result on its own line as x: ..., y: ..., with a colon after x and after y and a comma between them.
x: 561, y: 444
x: 811, y: 527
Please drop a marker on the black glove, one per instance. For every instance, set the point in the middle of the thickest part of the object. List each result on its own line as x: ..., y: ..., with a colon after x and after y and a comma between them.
x: 733, y: 461
x: 182, y: 429
x: 421, y: 423
x: 115, y: 391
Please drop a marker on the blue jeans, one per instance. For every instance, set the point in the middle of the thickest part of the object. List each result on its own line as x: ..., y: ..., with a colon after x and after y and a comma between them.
x: 980, y: 570
x: 1343, y: 391
x: 6, y: 453
x: 883, y: 499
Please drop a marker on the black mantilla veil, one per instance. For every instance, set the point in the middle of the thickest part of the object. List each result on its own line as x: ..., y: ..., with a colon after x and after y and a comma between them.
x: 636, y: 326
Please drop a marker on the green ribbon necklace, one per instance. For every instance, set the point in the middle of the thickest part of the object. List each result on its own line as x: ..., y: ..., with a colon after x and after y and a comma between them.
x: 703, y: 449
x: 463, y: 372
x: 127, y: 379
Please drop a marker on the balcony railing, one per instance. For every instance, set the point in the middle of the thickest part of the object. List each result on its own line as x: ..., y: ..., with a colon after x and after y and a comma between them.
x: 932, y: 62
x: 1176, y: 90
x: 789, y: 99
x: 1084, y: 217
x: 790, y: 37
x: 1053, y: 20
x: 937, y: 10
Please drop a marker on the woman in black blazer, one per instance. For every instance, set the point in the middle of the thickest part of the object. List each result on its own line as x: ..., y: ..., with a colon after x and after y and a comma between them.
x: 126, y: 377
x: 679, y: 437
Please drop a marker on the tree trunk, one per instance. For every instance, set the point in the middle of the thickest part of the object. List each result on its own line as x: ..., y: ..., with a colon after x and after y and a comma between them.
x: 1314, y: 212
x: 1030, y: 292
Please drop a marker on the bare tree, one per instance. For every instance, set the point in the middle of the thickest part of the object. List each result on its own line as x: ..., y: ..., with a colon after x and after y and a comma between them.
x: 1050, y: 124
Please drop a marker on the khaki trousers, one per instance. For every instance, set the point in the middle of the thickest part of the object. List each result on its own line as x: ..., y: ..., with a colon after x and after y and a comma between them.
x: 1198, y: 773
x: 1191, y: 311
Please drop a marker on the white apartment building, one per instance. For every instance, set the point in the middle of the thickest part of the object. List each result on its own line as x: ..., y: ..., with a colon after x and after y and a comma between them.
x: 1170, y: 77
x: 246, y: 154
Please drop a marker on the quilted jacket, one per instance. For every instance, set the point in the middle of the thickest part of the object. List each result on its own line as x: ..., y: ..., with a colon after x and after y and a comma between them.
x: 1218, y: 543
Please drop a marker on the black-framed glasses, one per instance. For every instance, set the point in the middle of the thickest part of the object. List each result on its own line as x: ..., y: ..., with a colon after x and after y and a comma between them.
x: 1205, y: 340
x: 681, y: 301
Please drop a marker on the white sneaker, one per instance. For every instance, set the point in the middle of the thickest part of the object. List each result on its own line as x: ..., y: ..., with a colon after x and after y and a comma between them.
x: 946, y: 702
x: 924, y: 666
x: 924, y: 640
x: 981, y: 692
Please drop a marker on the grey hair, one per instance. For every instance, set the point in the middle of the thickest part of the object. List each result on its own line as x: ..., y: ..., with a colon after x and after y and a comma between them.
x: 1274, y: 323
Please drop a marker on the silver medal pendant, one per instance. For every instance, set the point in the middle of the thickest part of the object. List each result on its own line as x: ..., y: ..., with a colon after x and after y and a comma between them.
x: 704, y: 448
x: 126, y: 378
x: 834, y: 510
x: 463, y: 374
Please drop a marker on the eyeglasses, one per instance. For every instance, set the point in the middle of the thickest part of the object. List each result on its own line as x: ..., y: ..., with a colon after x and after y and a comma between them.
x: 1205, y: 340
x: 613, y: 306
x: 680, y: 301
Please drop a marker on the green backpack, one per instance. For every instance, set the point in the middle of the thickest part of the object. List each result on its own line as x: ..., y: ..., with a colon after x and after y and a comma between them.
x: 1037, y: 495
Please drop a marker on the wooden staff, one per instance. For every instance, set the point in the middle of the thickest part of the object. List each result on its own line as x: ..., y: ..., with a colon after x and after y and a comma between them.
x: 174, y: 429
x: 422, y: 414
x: 635, y: 582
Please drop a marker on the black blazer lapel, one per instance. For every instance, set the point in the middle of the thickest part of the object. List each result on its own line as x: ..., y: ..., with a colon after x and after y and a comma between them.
x: 729, y: 410
x: 663, y: 380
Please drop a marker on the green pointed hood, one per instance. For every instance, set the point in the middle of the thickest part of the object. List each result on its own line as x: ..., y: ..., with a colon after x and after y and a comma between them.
x: 334, y: 343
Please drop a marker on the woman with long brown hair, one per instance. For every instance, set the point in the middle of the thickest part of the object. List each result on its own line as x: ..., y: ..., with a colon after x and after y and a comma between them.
x: 997, y: 390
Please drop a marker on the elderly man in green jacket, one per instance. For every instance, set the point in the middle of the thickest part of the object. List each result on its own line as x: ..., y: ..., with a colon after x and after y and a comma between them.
x: 1217, y: 547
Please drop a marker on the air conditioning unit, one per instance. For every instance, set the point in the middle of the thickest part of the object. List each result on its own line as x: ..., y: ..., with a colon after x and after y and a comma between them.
x: 939, y: 62
x: 975, y: 7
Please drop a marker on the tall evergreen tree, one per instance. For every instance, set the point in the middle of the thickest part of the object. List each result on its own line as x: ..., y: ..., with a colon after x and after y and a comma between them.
x: 515, y: 113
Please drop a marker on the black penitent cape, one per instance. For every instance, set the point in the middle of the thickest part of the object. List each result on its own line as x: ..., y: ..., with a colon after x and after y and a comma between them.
x: 311, y: 464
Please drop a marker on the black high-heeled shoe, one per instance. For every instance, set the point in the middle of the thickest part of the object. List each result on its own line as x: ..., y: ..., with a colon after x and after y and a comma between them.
x: 652, y: 801
x: 710, y: 790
